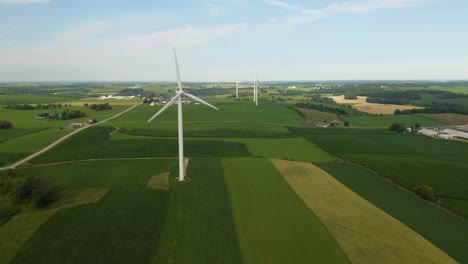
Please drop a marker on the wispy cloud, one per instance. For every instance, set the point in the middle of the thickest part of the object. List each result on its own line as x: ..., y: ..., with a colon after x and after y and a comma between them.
x: 214, y: 10
x: 304, y: 14
x: 25, y: 1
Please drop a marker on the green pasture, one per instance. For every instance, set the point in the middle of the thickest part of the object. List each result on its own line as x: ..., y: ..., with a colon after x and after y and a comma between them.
x: 272, y: 223
x: 444, y: 229
x: 199, y: 225
x: 122, y: 227
x: 96, y: 143
x: 7, y: 134
x: 386, y: 121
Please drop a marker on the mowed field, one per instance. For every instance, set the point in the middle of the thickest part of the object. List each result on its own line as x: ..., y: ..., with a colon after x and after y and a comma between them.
x: 387, y: 121
x: 372, y: 108
x: 272, y: 223
x: 365, y: 233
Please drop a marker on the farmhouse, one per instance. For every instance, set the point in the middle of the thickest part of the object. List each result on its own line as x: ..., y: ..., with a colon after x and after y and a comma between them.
x: 176, y: 102
x: 446, y: 133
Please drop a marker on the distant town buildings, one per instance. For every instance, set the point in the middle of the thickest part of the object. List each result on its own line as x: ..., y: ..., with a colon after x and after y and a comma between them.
x: 458, y: 132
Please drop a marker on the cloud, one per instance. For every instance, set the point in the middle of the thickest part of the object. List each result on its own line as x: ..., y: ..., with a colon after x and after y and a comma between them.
x: 99, y: 50
x: 304, y: 14
x: 25, y: 1
x: 214, y: 11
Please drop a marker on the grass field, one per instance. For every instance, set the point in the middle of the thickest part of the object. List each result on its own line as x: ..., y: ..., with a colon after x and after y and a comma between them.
x: 272, y: 223
x: 122, y: 227
x: 199, y: 225
x: 365, y: 233
x: 31, y: 99
x: 444, y: 229
x: 450, y: 119
x: 386, y: 121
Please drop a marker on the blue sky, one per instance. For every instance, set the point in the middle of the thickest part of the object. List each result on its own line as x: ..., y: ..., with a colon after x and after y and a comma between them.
x: 99, y: 40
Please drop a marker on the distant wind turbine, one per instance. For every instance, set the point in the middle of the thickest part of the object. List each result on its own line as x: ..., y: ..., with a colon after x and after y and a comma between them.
x: 256, y: 84
x: 237, y: 90
x: 178, y: 97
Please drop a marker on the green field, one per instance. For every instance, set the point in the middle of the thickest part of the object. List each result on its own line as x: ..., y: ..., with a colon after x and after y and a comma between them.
x: 386, y: 121
x: 32, y: 99
x: 444, y: 229
x: 199, y: 225
x: 129, y: 217
x: 272, y: 223
x: 96, y: 143
x: 408, y: 159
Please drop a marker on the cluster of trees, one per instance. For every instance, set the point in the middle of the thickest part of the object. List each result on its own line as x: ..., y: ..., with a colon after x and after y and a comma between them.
x: 436, y: 108
x: 132, y: 92
x: 99, y: 107
x: 70, y: 114
x: 393, y: 97
x: 425, y: 192
x: 27, y: 190
x: 5, y: 124
x: 401, y: 127
x: 37, y: 107
x: 209, y: 91
x: 323, y: 108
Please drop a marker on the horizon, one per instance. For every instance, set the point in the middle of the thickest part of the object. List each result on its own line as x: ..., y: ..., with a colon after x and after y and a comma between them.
x: 222, y: 41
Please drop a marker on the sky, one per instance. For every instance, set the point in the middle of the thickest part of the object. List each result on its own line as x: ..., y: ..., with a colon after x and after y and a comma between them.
x: 231, y: 40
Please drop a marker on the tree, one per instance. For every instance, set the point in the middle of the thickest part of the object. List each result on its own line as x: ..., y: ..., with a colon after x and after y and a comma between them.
x: 346, y: 123
x: 398, y: 127
x: 425, y: 192
x: 5, y: 124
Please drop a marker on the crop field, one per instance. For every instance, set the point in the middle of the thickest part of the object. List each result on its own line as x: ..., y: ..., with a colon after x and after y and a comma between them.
x: 128, y: 217
x: 386, y: 121
x: 199, y: 225
x: 372, y: 108
x: 95, y: 143
x: 365, y: 233
x: 449, y: 118
x: 272, y: 223
x: 31, y: 99
x: 410, y: 160
x: 444, y: 229
x: 269, y: 113
x: 298, y: 149
x: 314, y: 116
x: 30, y: 135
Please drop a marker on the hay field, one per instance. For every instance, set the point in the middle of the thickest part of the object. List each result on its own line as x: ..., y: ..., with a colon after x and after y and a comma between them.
x: 365, y: 233
x: 372, y: 108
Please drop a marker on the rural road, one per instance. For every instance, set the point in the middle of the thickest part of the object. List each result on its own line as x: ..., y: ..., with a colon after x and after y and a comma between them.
x: 60, y: 140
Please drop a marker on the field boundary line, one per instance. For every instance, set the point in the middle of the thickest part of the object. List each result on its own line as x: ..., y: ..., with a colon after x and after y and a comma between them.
x: 60, y: 140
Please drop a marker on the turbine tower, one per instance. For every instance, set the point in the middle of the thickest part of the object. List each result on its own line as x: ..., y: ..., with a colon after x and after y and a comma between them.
x: 178, y: 98
x: 237, y: 90
x: 256, y: 84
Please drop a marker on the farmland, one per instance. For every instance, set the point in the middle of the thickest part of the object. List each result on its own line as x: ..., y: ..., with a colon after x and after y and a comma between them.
x: 357, y: 225
x: 372, y: 108
x: 278, y: 228
x: 266, y: 185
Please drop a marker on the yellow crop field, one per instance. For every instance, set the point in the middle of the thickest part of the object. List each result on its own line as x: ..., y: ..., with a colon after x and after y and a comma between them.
x: 364, y: 232
x: 372, y: 108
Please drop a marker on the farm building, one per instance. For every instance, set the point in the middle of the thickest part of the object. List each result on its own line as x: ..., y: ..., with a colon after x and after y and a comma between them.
x: 446, y: 133
x: 176, y: 102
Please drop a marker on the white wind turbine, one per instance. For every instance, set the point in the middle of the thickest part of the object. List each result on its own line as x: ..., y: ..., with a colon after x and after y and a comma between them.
x: 178, y: 97
x: 256, y: 84
x: 237, y: 90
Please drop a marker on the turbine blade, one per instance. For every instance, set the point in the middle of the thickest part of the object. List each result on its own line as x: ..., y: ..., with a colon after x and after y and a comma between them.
x: 199, y: 100
x: 165, y: 107
x: 179, y: 83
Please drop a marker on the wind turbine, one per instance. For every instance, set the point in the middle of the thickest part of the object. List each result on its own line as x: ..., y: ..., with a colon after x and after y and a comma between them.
x: 256, y: 84
x: 237, y: 90
x: 178, y: 98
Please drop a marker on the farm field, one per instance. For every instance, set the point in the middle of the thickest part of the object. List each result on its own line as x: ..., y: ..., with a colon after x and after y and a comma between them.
x: 365, y: 233
x: 83, y: 233
x: 444, y: 229
x: 386, y: 121
x: 275, y: 228
x: 450, y: 119
x: 312, y: 116
x: 409, y: 160
x: 372, y: 108
x: 199, y: 225
x: 31, y: 99
x: 29, y: 135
